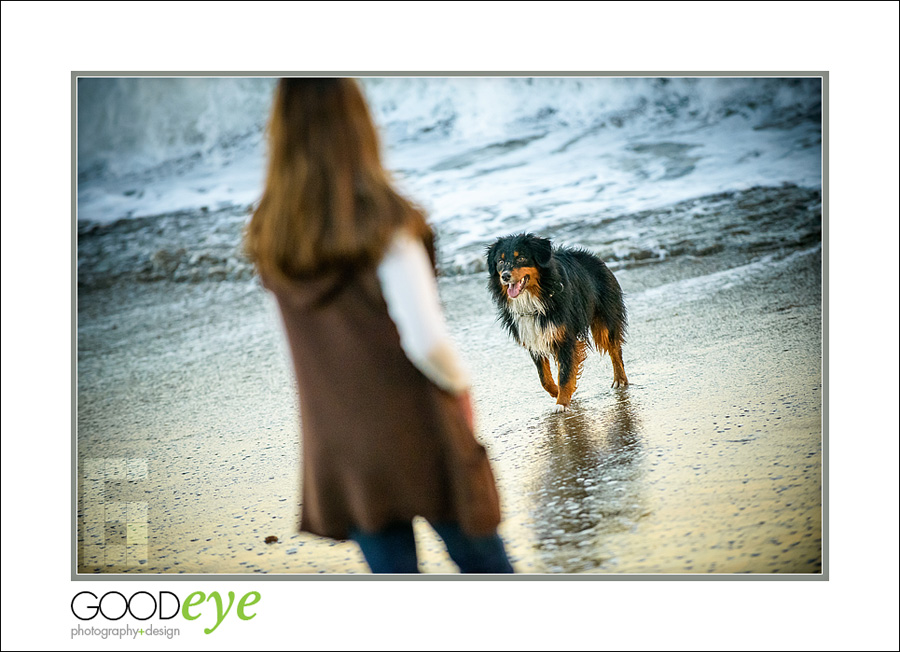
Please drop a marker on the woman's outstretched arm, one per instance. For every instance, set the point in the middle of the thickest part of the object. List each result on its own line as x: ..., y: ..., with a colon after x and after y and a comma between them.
x: 410, y: 291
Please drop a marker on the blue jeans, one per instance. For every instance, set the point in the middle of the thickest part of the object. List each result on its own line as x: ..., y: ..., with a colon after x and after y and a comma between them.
x: 393, y: 549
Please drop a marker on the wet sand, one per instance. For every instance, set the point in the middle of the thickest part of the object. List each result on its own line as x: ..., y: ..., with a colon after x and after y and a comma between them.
x: 709, y: 462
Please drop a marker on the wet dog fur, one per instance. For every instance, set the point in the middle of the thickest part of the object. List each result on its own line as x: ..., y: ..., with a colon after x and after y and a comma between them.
x: 557, y: 302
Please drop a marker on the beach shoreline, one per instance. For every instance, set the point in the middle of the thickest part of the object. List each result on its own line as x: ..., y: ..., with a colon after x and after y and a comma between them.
x: 709, y: 462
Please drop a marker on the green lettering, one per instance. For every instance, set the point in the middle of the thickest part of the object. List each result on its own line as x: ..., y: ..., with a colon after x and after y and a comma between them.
x: 244, y: 603
x: 220, y: 616
x: 190, y: 602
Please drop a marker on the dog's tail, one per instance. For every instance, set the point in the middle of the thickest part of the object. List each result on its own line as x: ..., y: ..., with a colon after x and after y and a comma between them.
x: 606, y: 338
x: 610, y: 318
x: 609, y: 323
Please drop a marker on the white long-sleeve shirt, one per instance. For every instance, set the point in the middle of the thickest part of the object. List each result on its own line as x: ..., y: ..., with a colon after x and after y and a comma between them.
x: 410, y: 291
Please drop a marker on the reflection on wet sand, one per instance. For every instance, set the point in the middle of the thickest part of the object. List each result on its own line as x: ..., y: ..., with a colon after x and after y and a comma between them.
x: 722, y: 474
x: 590, y: 487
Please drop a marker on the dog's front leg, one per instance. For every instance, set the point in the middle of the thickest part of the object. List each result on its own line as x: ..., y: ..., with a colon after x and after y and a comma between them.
x: 543, y: 366
x: 570, y: 358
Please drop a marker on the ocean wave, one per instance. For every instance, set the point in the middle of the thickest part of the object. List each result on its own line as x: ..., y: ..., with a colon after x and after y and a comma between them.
x: 638, y: 170
x: 195, y: 247
x: 166, y: 125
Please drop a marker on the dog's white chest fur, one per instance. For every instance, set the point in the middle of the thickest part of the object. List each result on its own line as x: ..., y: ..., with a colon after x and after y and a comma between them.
x: 525, y: 310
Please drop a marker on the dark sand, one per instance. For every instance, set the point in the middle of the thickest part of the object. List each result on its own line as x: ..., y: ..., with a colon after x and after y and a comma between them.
x: 709, y: 462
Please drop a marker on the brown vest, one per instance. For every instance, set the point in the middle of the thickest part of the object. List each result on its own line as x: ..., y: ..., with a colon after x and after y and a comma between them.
x: 380, y: 442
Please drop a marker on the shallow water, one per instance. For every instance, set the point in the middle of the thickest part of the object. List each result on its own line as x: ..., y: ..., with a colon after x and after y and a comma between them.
x: 710, y: 461
x: 198, y: 246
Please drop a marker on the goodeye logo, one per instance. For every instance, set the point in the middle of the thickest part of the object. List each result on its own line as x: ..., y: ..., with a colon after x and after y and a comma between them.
x: 165, y: 605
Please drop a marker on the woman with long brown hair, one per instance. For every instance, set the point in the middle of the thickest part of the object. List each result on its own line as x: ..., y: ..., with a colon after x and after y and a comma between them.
x: 387, y: 425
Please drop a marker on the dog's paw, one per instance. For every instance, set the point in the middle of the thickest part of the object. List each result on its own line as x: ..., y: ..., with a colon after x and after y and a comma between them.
x: 561, y: 408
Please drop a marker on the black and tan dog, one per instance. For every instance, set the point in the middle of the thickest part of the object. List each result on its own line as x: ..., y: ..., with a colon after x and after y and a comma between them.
x: 554, y: 301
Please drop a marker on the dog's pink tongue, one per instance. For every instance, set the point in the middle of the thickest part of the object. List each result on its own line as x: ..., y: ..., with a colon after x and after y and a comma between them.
x: 513, y: 290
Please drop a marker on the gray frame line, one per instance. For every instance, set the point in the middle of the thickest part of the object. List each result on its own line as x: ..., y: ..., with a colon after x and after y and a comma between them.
x: 76, y: 576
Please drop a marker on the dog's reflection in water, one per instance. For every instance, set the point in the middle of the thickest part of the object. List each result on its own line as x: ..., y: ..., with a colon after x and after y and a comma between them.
x: 590, y: 485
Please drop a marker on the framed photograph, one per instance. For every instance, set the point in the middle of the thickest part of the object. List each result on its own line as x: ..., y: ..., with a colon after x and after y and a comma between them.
x: 702, y: 195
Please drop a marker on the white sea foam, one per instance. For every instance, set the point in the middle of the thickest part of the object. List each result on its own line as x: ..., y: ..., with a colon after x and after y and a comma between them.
x: 484, y: 156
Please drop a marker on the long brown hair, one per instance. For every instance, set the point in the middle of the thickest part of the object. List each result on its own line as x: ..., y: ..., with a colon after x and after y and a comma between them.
x: 328, y: 202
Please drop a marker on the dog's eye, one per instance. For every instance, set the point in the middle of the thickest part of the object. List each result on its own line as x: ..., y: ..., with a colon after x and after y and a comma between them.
x: 520, y: 259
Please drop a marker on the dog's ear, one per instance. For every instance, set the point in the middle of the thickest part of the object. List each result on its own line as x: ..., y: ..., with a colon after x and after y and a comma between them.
x: 543, y: 251
x: 492, y: 256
